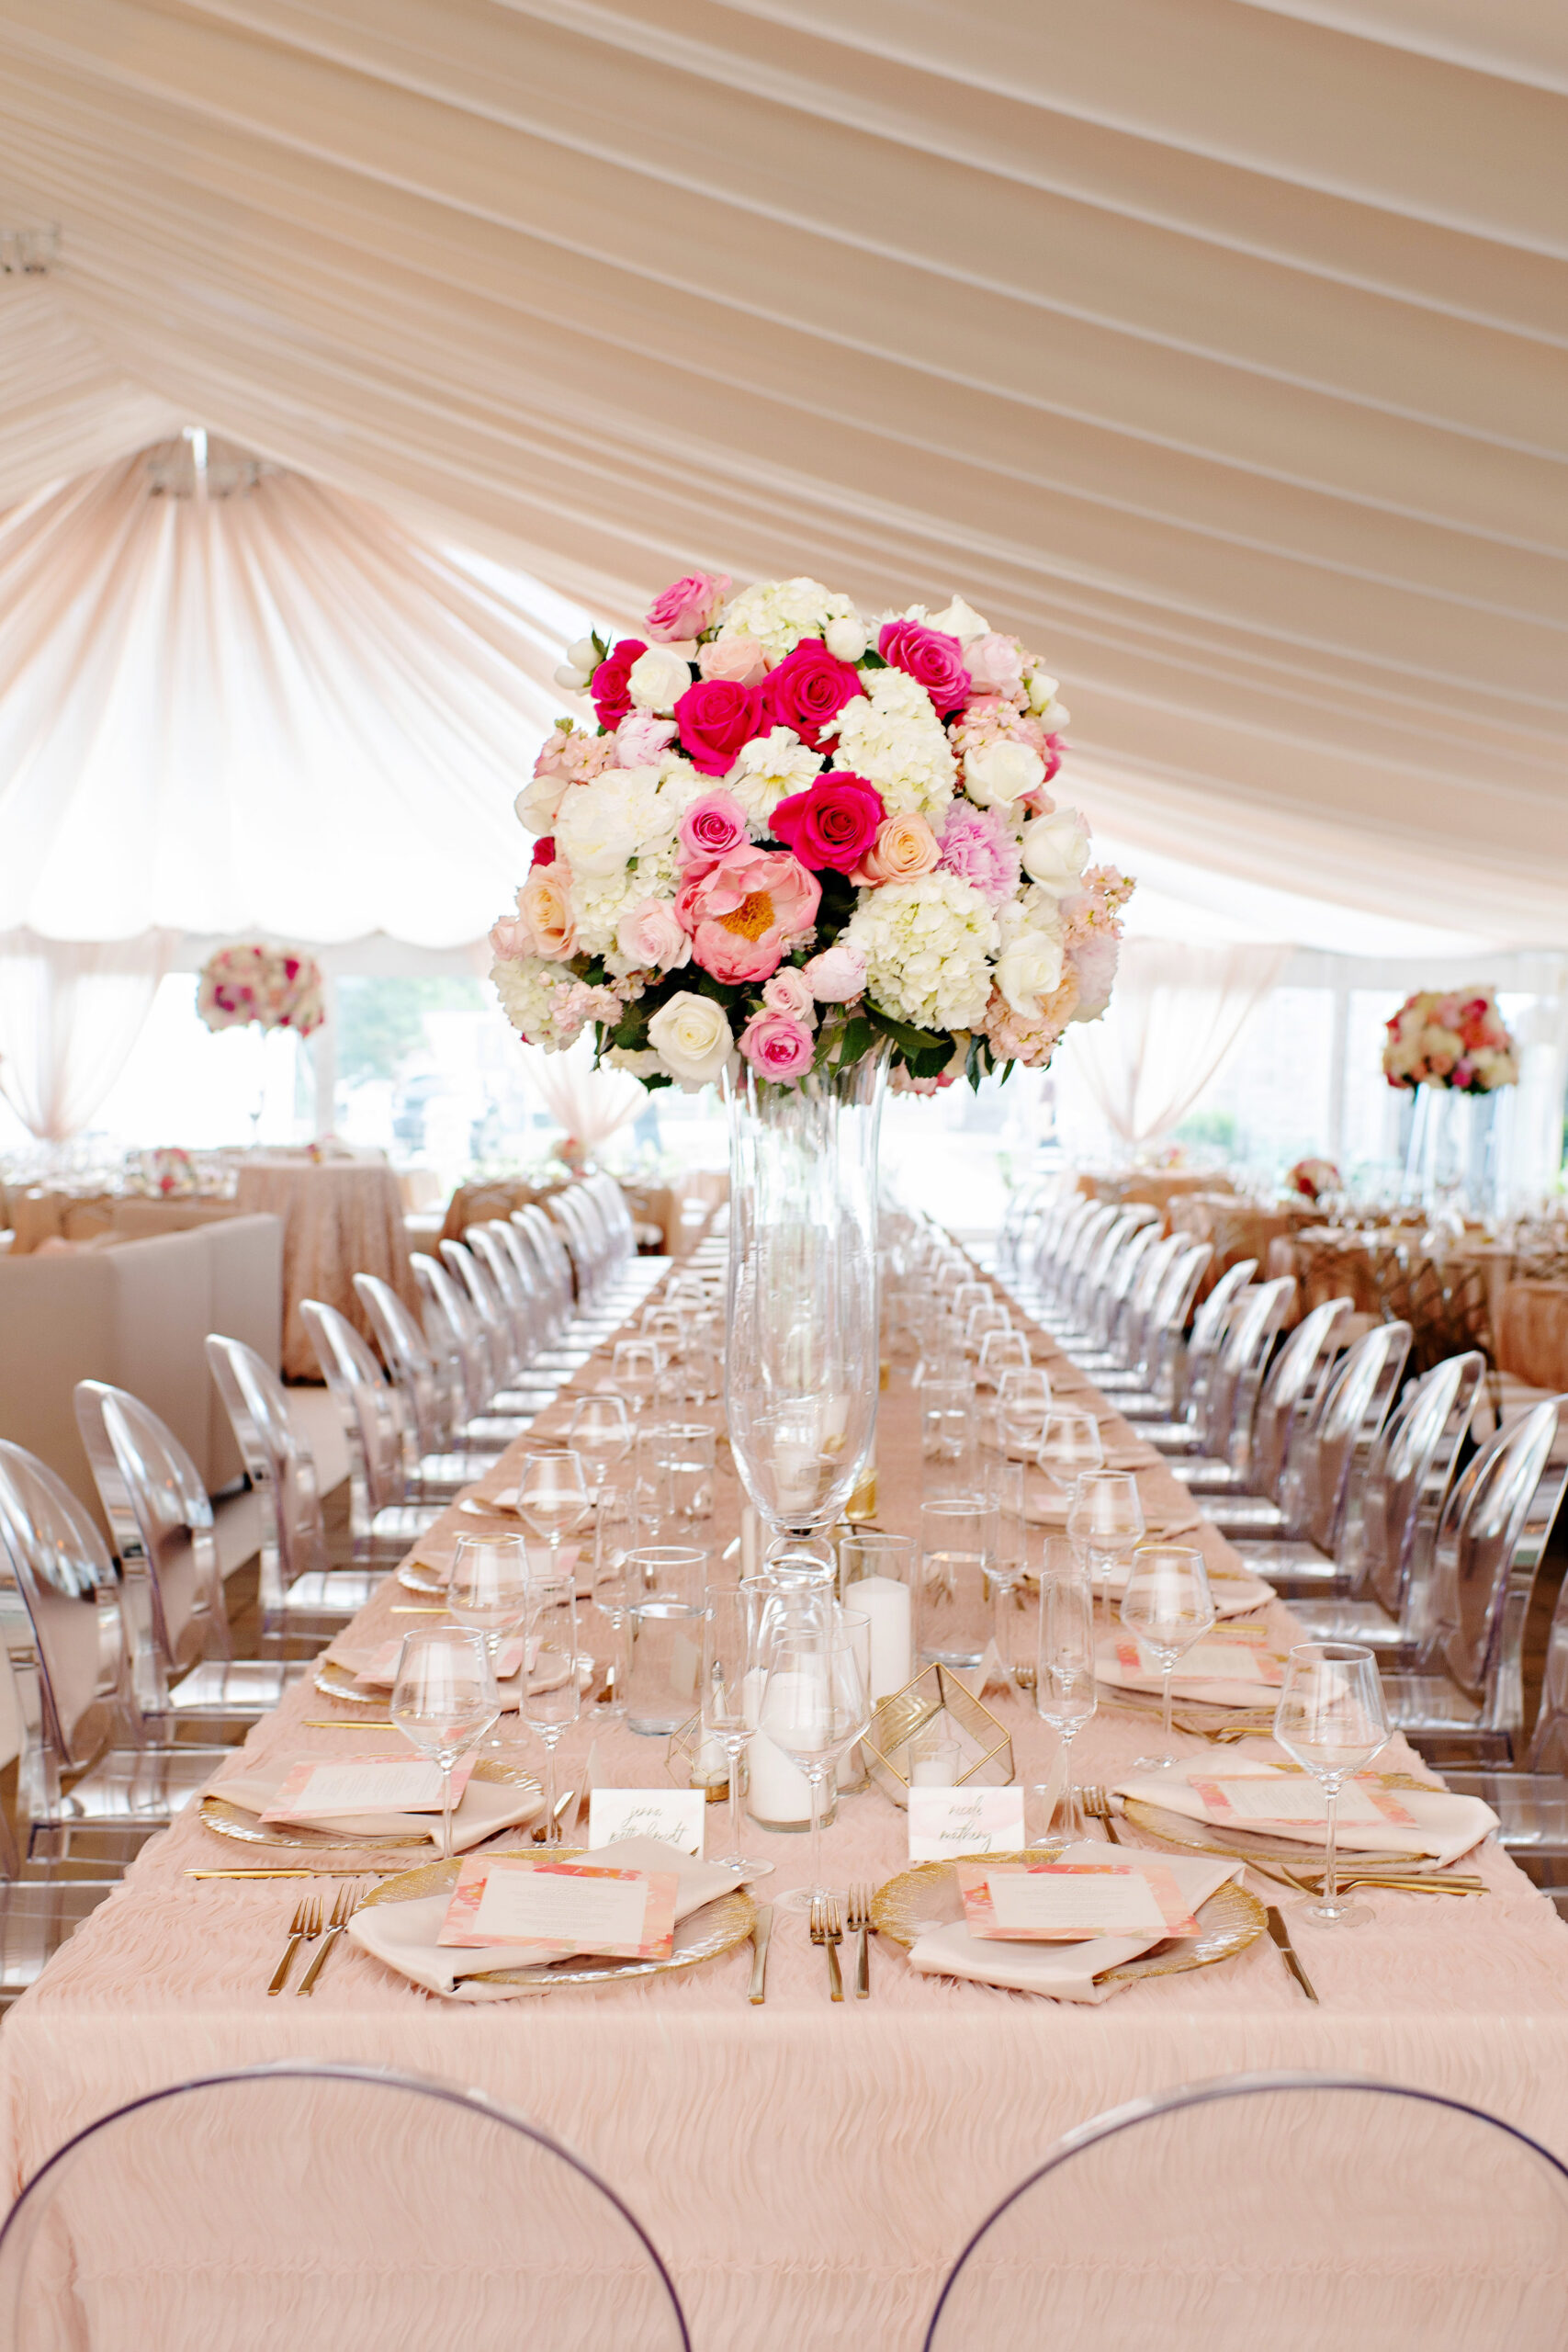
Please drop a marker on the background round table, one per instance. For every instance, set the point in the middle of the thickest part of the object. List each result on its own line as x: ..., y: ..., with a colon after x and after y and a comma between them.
x: 340, y: 1218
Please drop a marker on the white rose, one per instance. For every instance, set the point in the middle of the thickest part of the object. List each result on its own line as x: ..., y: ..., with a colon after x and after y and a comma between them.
x: 960, y: 620
x: 1055, y: 851
x: 998, y: 773
x: 846, y: 641
x: 693, y: 1038
x: 657, y: 679
x: 1029, y: 970
x: 537, y: 803
x: 1040, y: 690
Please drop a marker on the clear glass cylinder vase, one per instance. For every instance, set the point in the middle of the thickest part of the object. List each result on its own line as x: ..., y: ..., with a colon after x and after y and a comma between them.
x: 802, y: 1352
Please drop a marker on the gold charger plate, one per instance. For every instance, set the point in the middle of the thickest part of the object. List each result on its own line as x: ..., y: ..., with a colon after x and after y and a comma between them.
x: 228, y: 1820
x: 1211, y: 1837
x: 419, y: 1576
x: 705, y: 1934
x: 926, y: 1894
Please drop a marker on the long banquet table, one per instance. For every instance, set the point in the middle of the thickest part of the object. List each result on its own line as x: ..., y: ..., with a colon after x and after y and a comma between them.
x: 799, y: 2165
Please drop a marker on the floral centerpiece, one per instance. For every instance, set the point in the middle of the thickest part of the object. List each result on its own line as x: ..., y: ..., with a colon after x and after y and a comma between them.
x: 1454, y: 1039
x: 1312, y: 1177
x: 277, y: 987
x: 795, y: 835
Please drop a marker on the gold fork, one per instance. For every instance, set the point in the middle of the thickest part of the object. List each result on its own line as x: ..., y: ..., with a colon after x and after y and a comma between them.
x: 307, y: 1925
x: 344, y: 1909
x: 825, y: 1930
x: 1096, y: 1802
x: 860, y: 1923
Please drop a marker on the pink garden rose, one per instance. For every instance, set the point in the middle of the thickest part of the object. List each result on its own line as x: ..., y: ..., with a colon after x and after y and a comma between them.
x: 832, y: 823
x: 640, y: 738
x: 509, y: 936
x: 686, y: 607
x: 994, y: 664
x: 716, y: 716
x: 612, y: 698
x: 837, y: 975
x: 931, y: 657
x: 789, y: 992
x: 712, y: 826
x: 807, y: 689
x: 775, y: 1046
x: 740, y: 658
x: 650, y: 936
x: 743, y: 912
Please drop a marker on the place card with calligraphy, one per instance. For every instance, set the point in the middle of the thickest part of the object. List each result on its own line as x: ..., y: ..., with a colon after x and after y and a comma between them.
x: 673, y: 1815
x: 947, y: 1822
x: 1071, y: 1902
x: 321, y: 1788
x: 562, y: 1907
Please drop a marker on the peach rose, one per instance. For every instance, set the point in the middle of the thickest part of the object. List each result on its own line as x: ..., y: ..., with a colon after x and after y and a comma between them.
x: 545, y: 907
x: 741, y: 659
x: 904, y: 847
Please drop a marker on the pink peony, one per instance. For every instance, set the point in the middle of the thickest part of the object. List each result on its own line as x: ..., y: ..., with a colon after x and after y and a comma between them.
x: 640, y: 738
x: 837, y: 975
x: 716, y: 716
x: 612, y: 698
x: 686, y: 607
x: 743, y: 912
x: 740, y: 658
x: 931, y: 657
x: 978, y: 846
x: 652, y: 936
x: 995, y: 663
x: 832, y: 823
x: 775, y: 1046
x: 712, y: 826
x: 789, y: 992
x: 810, y: 687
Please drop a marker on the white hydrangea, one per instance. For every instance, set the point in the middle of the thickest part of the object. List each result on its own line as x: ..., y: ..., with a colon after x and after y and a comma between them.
x: 598, y: 902
x: 602, y: 825
x: 543, y: 1001
x: 779, y: 613
x: 892, y: 736
x: 769, y: 768
x: 927, y: 946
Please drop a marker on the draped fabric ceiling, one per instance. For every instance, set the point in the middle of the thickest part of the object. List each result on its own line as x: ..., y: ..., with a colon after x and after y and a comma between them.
x: 1216, y: 347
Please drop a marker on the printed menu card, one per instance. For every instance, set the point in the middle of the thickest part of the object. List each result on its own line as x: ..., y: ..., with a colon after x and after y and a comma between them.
x: 562, y: 1907
x: 403, y: 1783
x: 1284, y: 1797
x: 1070, y: 1902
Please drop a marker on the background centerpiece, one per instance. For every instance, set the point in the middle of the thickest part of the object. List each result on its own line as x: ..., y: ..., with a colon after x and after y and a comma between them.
x: 1451, y: 1048
x: 275, y: 987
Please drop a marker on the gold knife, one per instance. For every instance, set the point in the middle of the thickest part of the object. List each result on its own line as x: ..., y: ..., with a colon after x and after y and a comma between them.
x: 1281, y: 1936
x: 760, y: 1935
x: 359, y: 1869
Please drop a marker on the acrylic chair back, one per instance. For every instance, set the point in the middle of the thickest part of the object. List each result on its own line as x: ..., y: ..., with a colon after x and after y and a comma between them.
x: 1393, y: 1505
x: 414, y: 1373
x: 493, y: 1245
x: 1149, y: 1267
x: 1294, y: 1378
x: 1340, y: 1431
x: 1494, y: 1530
x: 380, y: 1443
x: 1238, y: 1374
x: 328, y: 2208
x: 1162, y: 1356
x: 455, y: 1336
x: 534, y: 1283
x: 1111, y: 1308
x: 1097, y: 1272
x: 1549, y: 1740
x: 280, y: 1465
x: 61, y: 1573
x: 1210, y: 1325
x: 553, y: 1260
x: 466, y: 1267
x: 1056, y: 1238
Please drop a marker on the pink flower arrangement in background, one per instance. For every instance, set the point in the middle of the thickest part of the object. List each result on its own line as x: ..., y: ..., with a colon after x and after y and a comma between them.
x: 1313, y: 1179
x: 1452, y: 1038
x: 276, y: 988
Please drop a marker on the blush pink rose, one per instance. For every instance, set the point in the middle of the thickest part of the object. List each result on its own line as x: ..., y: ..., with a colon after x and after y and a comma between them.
x: 809, y: 686
x: 832, y: 823
x: 743, y: 912
x: 686, y: 607
x: 740, y: 658
x: 789, y: 992
x: 650, y: 936
x: 775, y: 1046
x: 612, y: 696
x: 837, y: 975
x: 931, y: 657
x: 640, y: 738
x: 995, y: 663
x: 712, y: 826
x: 716, y: 716
x: 510, y: 937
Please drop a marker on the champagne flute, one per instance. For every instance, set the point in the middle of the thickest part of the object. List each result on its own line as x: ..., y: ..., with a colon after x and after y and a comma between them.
x: 443, y: 1700
x: 552, y: 1498
x: 1167, y: 1607
x: 732, y: 1649
x: 614, y: 1526
x: 1105, y: 1522
x: 814, y: 1707
x: 1332, y: 1720
x: 1064, y: 1674
x: 550, y: 1711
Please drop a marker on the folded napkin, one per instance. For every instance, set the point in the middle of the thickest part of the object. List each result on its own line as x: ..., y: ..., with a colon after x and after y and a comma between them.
x: 1205, y: 1675
x: 1444, y: 1825
x: 484, y: 1807
x: 403, y: 1934
x: 375, y: 1668
x: 1041, y: 1509
x: 1234, y: 1596
x: 1065, y: 1972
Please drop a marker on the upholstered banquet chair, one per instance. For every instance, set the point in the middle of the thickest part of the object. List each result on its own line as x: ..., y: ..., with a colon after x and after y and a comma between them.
x: 1291, y: 2211
x: 331, y: 2207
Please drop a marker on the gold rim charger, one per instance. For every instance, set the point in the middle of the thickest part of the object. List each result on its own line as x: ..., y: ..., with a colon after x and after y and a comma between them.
x: 229, y: 1820
x: 418, y: 1575
x: 927, y: 1896
x: 703, y: 1935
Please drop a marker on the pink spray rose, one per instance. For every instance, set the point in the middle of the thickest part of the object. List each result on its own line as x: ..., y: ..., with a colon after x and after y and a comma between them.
x: 740, y: 658
x: 995, y: 663
x: 716, y: 716
x: 832, y: 823
x: 775, y: 1046
x: 743, y: 912
x: 931, y: 657
x: 612, y: 697
x: 789, y: 992
x: 807, y: 689
x: 640, y: 738
x: 650, y: 936
x: 686, y: 607
x: 712, y: 826
x: 837, y: 975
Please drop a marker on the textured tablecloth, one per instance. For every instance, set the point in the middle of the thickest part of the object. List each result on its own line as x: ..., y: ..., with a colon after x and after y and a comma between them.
x: 1532, y: 1334
x: 804, y: 2169
x: 340, y: 1219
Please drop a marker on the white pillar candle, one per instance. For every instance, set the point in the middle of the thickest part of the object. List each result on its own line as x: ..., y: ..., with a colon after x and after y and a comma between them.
x: 749, y: 1548
x: 886, y: 1602
x: 778, y: 1791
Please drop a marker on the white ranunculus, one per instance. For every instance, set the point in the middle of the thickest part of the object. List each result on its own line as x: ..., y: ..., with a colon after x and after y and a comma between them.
x: 693, y: 1038
x: 1040, y: 690
x: 657, y: 679
x: 846, y: 639
x: 1055, y: 851
x: 771, y: 767
x: 1029, y: 970
x: 998, y: 773
x: 960, y: 620
x: 602, y: 825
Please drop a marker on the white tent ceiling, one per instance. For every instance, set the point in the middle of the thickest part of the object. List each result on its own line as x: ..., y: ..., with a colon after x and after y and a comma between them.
x: 1217, y: 348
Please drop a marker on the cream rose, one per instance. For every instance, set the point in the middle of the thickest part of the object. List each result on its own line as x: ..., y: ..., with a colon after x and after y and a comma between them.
x: 740, y: 658
x: 1055, y: 851
x: 1029, y: 970
x: 657, y: 679
x: 997, y: 774
x: 693, y: 1038
x: 846, y: 639
x: 649, y: 938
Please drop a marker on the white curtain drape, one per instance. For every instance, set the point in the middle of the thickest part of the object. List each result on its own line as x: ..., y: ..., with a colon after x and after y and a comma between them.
x: 590, y: 1104
x: 1177, y: 1014
x: 70, y: 1013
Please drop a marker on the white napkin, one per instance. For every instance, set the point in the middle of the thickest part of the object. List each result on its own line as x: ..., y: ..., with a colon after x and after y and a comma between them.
x: 1234, y: 1596
x: 1042, y: 1508
x: 1222, y: 1691
x: 1445, y: 1826
x: 1065, y: 1972
x: 403, y: 1934
x: 548, y: 1674
x: 484, y: 1807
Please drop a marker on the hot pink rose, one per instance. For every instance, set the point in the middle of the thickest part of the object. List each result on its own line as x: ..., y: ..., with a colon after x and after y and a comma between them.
x: 931, y: 657
x: 687, y: 608
x: 775, y: 1046
x: 712, y: 826
x: 544, y: 851
x: 608, y: 685
x: 740, y: 658
x: 789, y: 992
x: 995, y: 663
x: 651, y: 935
x: 837, y: 975
x: 810, y: 687
x: 640, y: 738
x: 743, y: 912
x: 716, y: 716
x: 832, y: 823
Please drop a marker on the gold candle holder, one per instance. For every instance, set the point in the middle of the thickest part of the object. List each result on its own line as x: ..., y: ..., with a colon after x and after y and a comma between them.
x: 985, y: 1749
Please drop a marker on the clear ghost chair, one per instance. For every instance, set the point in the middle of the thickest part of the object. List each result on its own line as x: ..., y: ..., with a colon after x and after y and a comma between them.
x: 301, y: 1598
x: 495, y: 1246
x: 1293, y: 1378
x: 458, y: 1340
x: 381, y: 1457
x: 506, y: 1351
x: 39, y: 1913
x: 450, y: 1454
x: 66, y: 1633
x: 1293, y: 2211
x: 549, y: 1253
x: 182, y: 1662
x: 1331, y: 1439
x: 1174, y: 1413
x: 1531, y: 1805
x: 1110, y: 1307
x: 1085, y: 1239
x: 1223, y: 1432
x: 317, y: 2205
x: 1155, y: 1340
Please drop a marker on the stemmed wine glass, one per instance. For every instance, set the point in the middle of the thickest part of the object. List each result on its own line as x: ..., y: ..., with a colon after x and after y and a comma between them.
x: 550, y: 1707
x: 487, y: 1592
x: 815, y: 1706
x: 1167, y: 1607
x: 1105, y: 1522
x: 443, y: 1700
x: 1332, y: 1720
x: 552, y: 1496
x: 732, y: 1648
x: 1064, y: 1674
x: 599, y: 1433
x: 1070, y: 1445
x: 1023, y: 1402
x: 1001, y: 1351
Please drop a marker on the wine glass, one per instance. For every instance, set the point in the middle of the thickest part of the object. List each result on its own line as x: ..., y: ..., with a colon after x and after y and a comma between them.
x: 1064, y: 1671
x: 731, y: 1650
x: 1001, y: 1351
x: 549, y: 1706
x: 599, y: 1432
x: 1070, y: 1445
x: 1167, y: 1607
x: 1105, y: 1520
x: 443, y: 1700
x: 1024, y: 1401
x: 1332, y: 1720
x: 814, y: 1707
x: 634, y: 1369
x: 552, y: 1496
x: 979, y: 1322
x: 488, y: 1592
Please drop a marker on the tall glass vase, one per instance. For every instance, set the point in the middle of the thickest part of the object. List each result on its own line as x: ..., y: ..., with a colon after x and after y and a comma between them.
x: 1448, y: 1169
x: 802, y: 1353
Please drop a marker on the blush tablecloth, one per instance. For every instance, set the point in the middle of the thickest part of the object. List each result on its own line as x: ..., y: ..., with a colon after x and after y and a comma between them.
x: 804, y: 2169
x: 340, y: 1218
x: 1532, y: 1334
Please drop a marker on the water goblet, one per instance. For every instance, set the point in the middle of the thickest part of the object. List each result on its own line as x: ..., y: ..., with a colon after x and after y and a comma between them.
x: 979, y: 1322
x: 814, y: 1707
x: 1167, y: 1607
x: 1024, y: 1401
x: 1063, y: 1672
x: 635, y: 1370
x: 1105, y: 1520
x: 732, y: 1649
x: 1069, y: 1445
x: 552, y: 1499
x: 443, y: 1700
x: 1001, y: 1351
x: 599, y: 1432
x: 487, y: 1592
x: 1332, y: 1720
x: 552, y: 1699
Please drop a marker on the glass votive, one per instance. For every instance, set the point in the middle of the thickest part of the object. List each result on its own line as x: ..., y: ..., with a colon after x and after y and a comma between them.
x: 935, y: 1756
